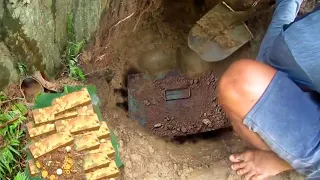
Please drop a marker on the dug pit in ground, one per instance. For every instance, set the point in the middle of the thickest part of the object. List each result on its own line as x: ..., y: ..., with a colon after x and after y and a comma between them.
x: 118, y: 47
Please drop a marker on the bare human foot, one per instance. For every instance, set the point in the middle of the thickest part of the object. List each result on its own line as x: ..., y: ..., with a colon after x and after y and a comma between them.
x: 258, y: 164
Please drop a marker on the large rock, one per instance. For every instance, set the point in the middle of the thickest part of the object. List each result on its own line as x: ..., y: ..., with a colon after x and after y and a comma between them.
x: 87, y: 17
x: 35, y: 30
x: 8, y: 71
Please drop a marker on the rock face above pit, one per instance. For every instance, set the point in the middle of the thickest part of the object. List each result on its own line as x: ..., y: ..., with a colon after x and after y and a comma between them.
x: 35, y: 32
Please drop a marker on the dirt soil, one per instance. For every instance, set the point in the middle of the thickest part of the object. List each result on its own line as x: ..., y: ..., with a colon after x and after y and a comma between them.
x: 175, y: 105
x: 118, y: 46
x: 70, y: 163
x: 31, y: 89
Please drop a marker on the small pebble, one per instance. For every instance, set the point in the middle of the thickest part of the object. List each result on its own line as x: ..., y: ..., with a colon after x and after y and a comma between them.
x: 204, y: 114
x: 68, y: 149
x: 184, y: 130
x: 172, y: 118
x: 208, y: 83
x: 59, y: 171
x: 157, y: 125
x: 196, y: 81
x: 48, y: 163
x: 146, y: 102
x: 206, y: 121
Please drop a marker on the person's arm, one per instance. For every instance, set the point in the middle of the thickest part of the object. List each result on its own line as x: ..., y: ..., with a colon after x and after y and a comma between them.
x: 285, y: 13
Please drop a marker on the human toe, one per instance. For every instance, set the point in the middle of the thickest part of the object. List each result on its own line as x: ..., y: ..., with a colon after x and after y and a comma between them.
x: 243, y: 171
x: 236, y: 158
x: 237, y: 166
x: 250, y: 174
x: 258, y: 177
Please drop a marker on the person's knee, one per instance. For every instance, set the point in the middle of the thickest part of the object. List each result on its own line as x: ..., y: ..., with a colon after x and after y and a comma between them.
x: 242, y: 85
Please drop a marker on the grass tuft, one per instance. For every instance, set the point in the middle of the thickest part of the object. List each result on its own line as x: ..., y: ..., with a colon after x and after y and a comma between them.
x: 21, y: 176
x: 11, y: 139
x: 72, y: 51
x: 22, y: 69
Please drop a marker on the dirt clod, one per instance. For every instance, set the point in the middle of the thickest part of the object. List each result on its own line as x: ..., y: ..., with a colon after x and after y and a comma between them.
x: 157, y: 125
x: 184, y: 130
x: 206, y: 122
x: 146, y: 102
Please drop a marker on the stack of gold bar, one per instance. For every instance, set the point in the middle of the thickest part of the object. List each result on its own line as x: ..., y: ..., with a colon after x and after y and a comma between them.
x: 71, y: 121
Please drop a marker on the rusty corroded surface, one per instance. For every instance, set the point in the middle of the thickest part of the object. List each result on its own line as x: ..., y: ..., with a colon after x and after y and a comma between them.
x: 173, y: 105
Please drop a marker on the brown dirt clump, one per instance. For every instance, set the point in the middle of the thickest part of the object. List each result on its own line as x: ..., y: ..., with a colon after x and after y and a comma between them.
x: 13, y: 91
x: 196, y: 111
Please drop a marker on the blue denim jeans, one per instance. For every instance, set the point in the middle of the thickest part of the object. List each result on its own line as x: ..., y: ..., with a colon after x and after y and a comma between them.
x: 285, y: 117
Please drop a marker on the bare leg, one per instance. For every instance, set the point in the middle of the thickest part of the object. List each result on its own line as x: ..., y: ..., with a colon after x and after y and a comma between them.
x: 240, y: 88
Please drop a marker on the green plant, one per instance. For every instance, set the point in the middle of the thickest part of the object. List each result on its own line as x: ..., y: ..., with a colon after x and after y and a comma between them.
x: 21, y: 176
x: 72, y: 51
x: 11, y: 133
x: 22, y: 69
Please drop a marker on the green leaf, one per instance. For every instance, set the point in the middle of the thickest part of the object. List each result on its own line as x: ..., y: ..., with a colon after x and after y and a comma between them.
x: 20, y: 107
x: 14, y: 150
x: 2, y: 172
x: 77, y: 47
x: 22, y: 69
x: 70, y: 27
x: 21, y: 176
x: 3, y: 96
x: 7, y: 160
x: 5, y: 117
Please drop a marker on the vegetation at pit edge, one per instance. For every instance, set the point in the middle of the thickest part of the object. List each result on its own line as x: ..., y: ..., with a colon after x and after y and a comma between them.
x: 12, y: 139
x: 72, y: 51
